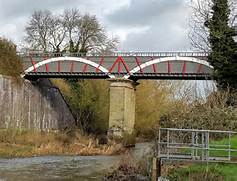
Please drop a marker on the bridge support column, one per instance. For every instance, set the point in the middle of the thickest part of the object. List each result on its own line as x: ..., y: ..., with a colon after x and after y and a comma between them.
x: 122, y: 111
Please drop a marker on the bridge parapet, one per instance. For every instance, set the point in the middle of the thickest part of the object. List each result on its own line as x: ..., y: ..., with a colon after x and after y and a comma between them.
x: 161, y: 54
x: 115, y: 54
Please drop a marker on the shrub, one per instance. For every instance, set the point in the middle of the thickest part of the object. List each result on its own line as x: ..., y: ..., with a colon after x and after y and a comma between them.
x: 128, y: 169
x: 10, y: 62
x: 213, y: 114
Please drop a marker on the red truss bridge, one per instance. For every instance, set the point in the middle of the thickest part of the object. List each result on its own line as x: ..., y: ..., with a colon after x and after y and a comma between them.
x: 128, y: 65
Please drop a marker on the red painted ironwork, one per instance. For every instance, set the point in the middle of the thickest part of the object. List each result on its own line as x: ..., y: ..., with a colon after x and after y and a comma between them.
x: 33, y: 63
x: 101, y: 62
x: 169, y: 67
x: 200, y: 68
x: 154, y: 66
x: 125, y: 65
x: 184, y: 69
x: 111, y: 68
x: 119, y: 67
x: 118, y: 61
x: 59, y: 67
x: 46, y: 65
x: 138, y: 61
x: 85, y: 67
x: 72, y: 66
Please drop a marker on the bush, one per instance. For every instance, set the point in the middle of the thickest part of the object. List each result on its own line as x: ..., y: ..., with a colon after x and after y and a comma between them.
x: 152, y: 100
x: 89, y: 102
x: 10, y: 62
x: 129, y: 170
x: 214, y: 114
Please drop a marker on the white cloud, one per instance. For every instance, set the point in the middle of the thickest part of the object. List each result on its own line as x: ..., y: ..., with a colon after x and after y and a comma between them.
x: 167, y: 22
x: 152, y: 25
x: 123, y: 33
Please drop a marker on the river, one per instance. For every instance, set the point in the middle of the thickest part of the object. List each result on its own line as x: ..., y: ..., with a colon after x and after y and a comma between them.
x: 63, y: 167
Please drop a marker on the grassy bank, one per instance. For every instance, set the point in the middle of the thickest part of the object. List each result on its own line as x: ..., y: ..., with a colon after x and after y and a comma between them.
x: 22, y: 143
x: 207, y: 172
x: 223, y: 143
x: 222, y: 146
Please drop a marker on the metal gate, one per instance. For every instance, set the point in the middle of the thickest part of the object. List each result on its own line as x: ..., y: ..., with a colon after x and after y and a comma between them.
x: 197, y: 145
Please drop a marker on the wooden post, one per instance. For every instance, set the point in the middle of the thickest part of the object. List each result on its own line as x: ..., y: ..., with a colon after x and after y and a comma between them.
x: 159, y: 167
x: 156, y: 169
x: 154, y: 176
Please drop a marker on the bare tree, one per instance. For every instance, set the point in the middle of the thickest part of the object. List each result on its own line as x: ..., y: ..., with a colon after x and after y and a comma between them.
x: 37, y: 30
x: 57, y: 34
x: 199, y: 31
x: 71, y: 20
x: 85, y: 33
x: 70, y: 31
x: 201, y: 13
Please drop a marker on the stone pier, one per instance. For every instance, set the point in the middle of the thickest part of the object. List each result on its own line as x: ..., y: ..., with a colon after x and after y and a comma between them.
x: 122, y: 110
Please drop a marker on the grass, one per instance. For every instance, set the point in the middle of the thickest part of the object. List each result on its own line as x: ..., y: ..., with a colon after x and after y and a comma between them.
x: 218, y: 144
x: 211, y: 171
x: 224, y: 142
x: 22, y: 143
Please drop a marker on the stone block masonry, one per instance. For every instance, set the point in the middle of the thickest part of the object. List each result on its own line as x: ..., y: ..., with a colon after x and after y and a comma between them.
x: 122, y: 108
x: 33, y: 105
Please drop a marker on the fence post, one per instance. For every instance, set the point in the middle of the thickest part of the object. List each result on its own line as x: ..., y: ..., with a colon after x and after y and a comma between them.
x: 193, y: 145
x: 229, y: 152
x: 156, y: 168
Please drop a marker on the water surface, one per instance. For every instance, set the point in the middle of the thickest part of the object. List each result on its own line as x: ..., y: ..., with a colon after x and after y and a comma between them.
x: 63, y: 167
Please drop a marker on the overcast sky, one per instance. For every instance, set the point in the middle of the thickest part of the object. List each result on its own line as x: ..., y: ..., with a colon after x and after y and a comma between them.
x: 142, y: 25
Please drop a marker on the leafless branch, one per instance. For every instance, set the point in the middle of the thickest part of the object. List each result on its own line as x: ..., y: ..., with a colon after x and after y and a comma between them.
x: 70, y: 31
x: 201, y: 13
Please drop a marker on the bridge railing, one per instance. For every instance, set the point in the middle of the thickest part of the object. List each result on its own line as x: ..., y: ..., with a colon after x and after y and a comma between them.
x: 124, y: 54
x: 50, y: 54
x: 162, y: 54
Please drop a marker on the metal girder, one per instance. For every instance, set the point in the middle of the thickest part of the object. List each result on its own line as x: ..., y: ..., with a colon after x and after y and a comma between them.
x: 131, y: 65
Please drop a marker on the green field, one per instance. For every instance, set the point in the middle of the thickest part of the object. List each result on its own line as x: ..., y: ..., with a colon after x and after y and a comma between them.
x: 209, y: 171
x: 222, y: 147
x: 224, y: 142
x: 216, y: 172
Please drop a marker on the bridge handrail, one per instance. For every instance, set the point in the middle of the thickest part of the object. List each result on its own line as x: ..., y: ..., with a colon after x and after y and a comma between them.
x: 124, y: 54
x: 163, y: 54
